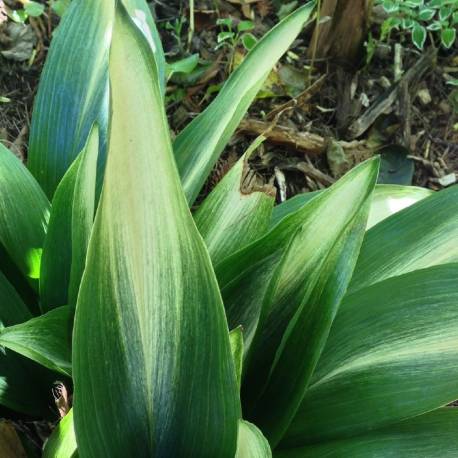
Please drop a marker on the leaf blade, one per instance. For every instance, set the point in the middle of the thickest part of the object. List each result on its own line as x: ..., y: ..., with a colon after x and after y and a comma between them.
x: 154, y: 283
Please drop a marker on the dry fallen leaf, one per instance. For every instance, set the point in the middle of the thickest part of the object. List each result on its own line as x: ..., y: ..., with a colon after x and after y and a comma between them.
x: 10, y: 444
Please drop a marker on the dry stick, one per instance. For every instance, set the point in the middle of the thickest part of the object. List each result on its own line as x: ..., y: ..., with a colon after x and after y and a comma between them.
x: 301, y: 141
x: 386, y: 101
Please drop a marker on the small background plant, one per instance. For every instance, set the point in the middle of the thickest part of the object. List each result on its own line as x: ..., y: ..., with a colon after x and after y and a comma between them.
x: 439, y: 18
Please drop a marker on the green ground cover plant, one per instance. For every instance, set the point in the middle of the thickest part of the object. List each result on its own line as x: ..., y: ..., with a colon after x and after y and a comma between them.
x: 239, y: 329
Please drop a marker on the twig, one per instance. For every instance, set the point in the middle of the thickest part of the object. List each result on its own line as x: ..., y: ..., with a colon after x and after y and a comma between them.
x: 301, y: 141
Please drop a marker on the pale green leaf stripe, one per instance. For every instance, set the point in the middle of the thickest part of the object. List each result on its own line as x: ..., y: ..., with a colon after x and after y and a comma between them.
x: 420, y: 236
x: 310, y: 282
x: 387, y: 200
x: 70, y: 225
x: 391, y: 354
x: 45, y: 339
x: 73, y: 90
x: 62, y: 442
x: 199, y: 145
x: 236, y: 341
x: 433, y: 435
x: 21, y: 387
x: 24, y: 213
x: 150, y: 325
x: 236, y: 212
x: 251, y: 443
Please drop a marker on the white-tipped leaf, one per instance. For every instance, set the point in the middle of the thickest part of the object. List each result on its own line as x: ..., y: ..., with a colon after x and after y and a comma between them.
x: 236, y: 212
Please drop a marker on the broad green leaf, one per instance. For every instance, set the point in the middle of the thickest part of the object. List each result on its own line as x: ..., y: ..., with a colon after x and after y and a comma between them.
x: 70, y: 225
x: 12, y: 308
x: 448, y: 36
x: 387, y: 200
x: 251, y: 443
x: 150, y: 325
x: 420, y: 236
x: 24, y: 213
x: 303, y: 298
x: 199, y: 145
x: 236, y: 341
x: 236, y: 212
x: 21, y: 385
x: 391, y: 355
x: 62, y: 442
x: 45, y: 339
x: 418, y: 35
x: 34, y: 9
x: 433, y: 435
x: 270, y: 286
x: 73, y: 90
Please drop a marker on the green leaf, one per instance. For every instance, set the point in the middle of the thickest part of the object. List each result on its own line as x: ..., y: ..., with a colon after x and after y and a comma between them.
x: 186, y: 65
x: 199, y: 145
x: 418, y: 35
x: 236, y: 341
x: 426, y: 14
x: 21, y: 385
x: 445, y: 12
x: 45, y: 340
x: 24, y: 213
x: 420, y: 236
x: 391, y: 355
x: 448, y: 37
x: 236, y: 212
x: 303, y: 299
x: 73, y: 90
x: 268, y: 287
x: 149, y: 313
x: 62, y: 442
x: 34, y: 9
x: 386, y: 201
x: 245, y: 26
x: 251, y: 443
x: 70, y: 226
x: 432, y: 435
x: 60, y: 6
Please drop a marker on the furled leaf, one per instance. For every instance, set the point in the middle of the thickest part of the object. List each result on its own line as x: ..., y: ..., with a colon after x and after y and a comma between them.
x: 45, y: 339
x: 70, y: 225
x: 432, y: 435
x: 251, y: 443
x: 386, y: 201
x: 420, y: 236
x: 73, y: 90
x: 62, y: 442
x: 150, y: 325
x: 199, y: 145
x: 236, y: 212
x: 24, y: 213
x: 391, y: 355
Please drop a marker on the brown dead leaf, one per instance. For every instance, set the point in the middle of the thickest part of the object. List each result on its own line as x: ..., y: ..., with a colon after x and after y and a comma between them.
x: 10, y: 444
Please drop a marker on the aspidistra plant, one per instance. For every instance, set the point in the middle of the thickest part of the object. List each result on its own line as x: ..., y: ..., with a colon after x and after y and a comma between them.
x: 241, y: 330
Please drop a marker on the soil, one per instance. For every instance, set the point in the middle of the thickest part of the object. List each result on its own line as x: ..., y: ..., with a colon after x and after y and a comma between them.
x: 423, y: 131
